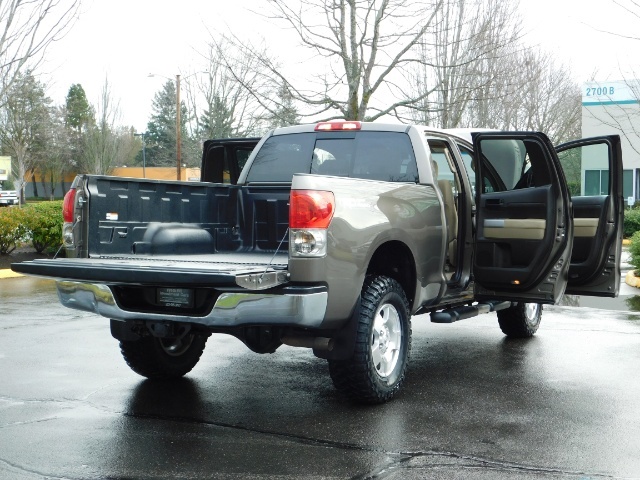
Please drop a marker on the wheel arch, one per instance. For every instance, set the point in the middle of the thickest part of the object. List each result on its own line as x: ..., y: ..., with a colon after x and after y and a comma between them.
x: 395, y: 260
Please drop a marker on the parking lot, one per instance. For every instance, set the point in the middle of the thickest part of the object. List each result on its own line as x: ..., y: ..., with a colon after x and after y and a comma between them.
x: 562, y: 405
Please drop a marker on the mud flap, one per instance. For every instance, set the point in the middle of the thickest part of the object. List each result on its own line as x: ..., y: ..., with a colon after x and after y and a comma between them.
x: 344, y: 339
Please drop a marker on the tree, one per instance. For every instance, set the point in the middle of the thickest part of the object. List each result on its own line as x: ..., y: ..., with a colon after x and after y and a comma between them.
x: 78, y: 113
x: 285, y: 112
x: 476, y: 72
x: 25, y: 121
x: 102, y: 148
x: 229, y: 91
x: 161, y: 128
x: 462, y: 59
x: 360, y: 47
x: 27, y: 28
x: 58, y: 159
x: 543, y: 97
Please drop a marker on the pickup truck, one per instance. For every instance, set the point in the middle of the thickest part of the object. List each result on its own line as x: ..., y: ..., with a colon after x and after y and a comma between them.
x: 332, y: 236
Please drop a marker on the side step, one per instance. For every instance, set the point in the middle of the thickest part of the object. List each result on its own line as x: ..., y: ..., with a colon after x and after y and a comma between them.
x: 467, y: 311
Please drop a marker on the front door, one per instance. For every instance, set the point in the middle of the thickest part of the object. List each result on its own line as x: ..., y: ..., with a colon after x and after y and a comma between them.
x: 593, y: 169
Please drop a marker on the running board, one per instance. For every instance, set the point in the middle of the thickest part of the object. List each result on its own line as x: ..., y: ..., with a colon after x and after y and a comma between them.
x: 467, y: 311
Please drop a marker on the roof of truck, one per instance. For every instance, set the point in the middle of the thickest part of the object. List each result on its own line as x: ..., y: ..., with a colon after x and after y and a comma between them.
x: 462, y: 133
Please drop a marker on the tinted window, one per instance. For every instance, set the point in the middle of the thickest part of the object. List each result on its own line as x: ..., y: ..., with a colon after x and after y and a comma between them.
x: 586, y: 169
x: 386, y: 156
x: 281, y: 156
x: 510, y: 164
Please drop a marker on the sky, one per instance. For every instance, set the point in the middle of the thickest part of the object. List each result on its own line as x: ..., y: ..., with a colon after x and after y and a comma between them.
x: 126, y: 40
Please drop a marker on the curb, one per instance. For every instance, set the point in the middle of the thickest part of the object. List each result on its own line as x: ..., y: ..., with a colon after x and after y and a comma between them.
x: 8, y: 273
x: 631, y: 279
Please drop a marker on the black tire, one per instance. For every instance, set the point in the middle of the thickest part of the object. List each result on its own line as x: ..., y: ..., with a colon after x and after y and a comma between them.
x: 377, y: 369
x: 163, y: 358
x: 521, y: 320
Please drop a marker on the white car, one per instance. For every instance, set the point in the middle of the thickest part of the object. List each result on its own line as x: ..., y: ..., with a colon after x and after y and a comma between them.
x: 8, y: 197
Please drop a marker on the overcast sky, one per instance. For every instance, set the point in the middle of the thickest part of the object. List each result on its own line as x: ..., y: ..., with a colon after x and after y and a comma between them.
x: 125, y: 40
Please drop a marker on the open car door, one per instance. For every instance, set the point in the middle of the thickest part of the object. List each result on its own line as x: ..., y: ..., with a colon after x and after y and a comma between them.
x: 523, y: 223
x: 223, y: 159
x: 593, y: 169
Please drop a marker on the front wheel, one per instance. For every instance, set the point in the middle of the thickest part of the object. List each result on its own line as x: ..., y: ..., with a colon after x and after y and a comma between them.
x: 163, y: 358
x: 521, y: 320
x: 376, y: 371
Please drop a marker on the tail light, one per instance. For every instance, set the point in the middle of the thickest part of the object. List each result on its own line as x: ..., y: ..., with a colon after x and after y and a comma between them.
x: 310, y: 213
x: 68, y: 204
x: 67, y: 215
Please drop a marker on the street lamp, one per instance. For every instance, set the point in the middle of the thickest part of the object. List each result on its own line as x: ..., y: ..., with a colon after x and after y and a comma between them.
x: 144, y: 156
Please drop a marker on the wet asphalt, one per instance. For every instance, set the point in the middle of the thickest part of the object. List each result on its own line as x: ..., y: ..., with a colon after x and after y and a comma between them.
x: 565, y: 404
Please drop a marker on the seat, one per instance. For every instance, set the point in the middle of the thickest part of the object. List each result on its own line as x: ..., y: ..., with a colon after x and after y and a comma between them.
x: 450, y: 213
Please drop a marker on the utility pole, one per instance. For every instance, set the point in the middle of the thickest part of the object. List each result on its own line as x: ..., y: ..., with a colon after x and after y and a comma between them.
x: 178, y: 131
x: 144, y: 155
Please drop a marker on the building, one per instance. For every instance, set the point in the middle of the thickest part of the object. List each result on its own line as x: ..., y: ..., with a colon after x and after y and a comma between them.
x: 613, y: 108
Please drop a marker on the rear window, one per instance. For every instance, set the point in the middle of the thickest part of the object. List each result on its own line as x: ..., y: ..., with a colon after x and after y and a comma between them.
x: 386, y: 156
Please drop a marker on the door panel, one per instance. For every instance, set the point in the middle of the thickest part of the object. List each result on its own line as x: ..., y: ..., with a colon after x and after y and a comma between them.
x: 593, y: 168
x: 523, y: 223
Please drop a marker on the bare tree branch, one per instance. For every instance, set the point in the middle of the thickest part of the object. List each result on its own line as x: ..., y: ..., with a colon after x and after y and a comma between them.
x: 27, y: 28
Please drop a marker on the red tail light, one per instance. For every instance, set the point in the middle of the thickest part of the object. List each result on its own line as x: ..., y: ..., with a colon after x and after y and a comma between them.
x: 67, y: 206
x: 311, y: 209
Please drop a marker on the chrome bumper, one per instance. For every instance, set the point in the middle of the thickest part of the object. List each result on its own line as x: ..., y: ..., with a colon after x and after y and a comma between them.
x: 230, y: 309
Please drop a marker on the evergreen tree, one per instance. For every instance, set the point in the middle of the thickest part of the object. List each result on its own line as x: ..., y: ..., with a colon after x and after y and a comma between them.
x: 161, y: 129
x: 285, y: 113
x: 79, y: 115
x: 217, y: 121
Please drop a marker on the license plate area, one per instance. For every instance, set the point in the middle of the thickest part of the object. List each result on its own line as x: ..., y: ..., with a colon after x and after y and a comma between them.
x: 175, y: 297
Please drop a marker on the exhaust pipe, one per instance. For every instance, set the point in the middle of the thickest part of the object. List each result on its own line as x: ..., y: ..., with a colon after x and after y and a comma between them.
x: 317, y: 343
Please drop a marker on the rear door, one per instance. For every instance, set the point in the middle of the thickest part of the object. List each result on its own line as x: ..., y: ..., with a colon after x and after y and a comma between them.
x: 223, y: 159
x: 593, y: 169
x: 523, y: 223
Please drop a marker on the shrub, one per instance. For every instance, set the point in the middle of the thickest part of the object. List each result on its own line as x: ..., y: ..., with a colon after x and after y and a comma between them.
x: 631, y: 222
x: 634, y: 250
x: 13, y: 229
x: 44, y: 225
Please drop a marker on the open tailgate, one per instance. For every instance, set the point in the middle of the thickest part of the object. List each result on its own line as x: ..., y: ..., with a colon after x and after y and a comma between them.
x: 249, y: 270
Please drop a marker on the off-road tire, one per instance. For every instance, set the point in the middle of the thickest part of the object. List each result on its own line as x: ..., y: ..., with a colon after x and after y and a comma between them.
x: 521, y: 320
x: 377, y: 369
x: 163, y: 358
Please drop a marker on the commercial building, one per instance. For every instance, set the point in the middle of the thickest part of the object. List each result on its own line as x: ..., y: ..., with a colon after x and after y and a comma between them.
x: 613, y: 108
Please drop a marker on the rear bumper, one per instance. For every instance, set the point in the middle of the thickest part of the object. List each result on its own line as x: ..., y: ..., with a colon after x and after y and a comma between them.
x: 231, y: 309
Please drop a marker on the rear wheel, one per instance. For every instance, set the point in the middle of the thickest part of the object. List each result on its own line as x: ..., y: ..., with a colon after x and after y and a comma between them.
x: 521, y: 320
x: 376, y: 371
x: 163, y: 358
